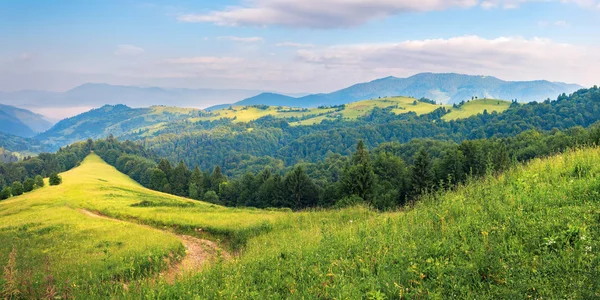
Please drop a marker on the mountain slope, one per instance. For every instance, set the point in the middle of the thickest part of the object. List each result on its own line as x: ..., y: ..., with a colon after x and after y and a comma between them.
x: 117, y: 120
x: 445, y: 88
x: 96, y: 95
x: 35, y: 122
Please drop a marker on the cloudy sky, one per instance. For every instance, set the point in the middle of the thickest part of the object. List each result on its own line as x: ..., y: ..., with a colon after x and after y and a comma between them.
x: 292, y: 45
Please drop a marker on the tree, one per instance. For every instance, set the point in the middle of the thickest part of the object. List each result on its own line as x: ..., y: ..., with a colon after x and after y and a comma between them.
x: 216, y: 178
x: 301, y: 189
x: 196, y: 187
x: 211, y: 197
x: 16, y: 188
x: 451, y: 167
x: 39, y: 181
x: 359, y: 178
x: 28, y: 185
x: 5, y: 194
x: 55, y: 179
x: 179, y: 180
x: 158, y: 179
x: 422, y: 177
x: 165, y: 166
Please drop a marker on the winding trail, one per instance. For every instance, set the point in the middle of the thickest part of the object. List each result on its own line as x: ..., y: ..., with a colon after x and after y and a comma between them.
x: 198, y: 252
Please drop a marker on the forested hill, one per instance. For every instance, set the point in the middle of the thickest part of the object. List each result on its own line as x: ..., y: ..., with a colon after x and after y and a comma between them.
x: 273, y: 141
x: 445, y: 88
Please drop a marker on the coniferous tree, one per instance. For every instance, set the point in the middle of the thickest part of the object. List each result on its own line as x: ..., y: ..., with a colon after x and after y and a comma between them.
x: 301, y: 189
x: 422, y: 177
x: 165, y: 166
x: 451, y: 167
x: 196, y: 188
x: 216, y: 178
x: 158, y: 179
x: 359, y: 178
x: 179, y: 180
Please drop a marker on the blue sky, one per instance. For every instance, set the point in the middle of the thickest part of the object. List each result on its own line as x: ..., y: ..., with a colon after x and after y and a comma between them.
x: 292, y: 46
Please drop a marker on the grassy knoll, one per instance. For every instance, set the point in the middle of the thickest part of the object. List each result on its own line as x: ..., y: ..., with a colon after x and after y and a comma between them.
x: 533, y: 232
x: 49, y: 231
x: 475, y: 107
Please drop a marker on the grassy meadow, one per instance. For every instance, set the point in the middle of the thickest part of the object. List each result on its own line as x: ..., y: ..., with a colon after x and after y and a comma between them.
x: 475, y: 107
x: 532, y: 232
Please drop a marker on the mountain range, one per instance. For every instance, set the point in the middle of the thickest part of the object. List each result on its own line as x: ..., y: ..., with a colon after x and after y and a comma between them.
x: 94, y: 95
x: 21, y: 122
x: 443, y: 88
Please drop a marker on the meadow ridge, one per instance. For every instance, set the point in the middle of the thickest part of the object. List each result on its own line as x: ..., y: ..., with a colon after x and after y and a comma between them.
x: 504, y: 236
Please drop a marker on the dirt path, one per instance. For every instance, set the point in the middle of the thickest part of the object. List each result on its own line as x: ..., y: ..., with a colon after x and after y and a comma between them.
x: 198, y: 252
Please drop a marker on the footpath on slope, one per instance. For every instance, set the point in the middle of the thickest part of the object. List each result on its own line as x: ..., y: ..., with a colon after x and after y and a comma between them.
x: 197, y: 251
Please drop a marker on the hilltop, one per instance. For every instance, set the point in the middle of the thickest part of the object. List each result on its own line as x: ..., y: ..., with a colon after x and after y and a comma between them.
x: 21, y: 122
x: 494, y: 238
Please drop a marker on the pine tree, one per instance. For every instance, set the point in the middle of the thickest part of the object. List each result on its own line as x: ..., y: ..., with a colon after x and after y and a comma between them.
x: 301, y: 189
x: 180, y: 180
x: 158, y: 179
x: 451, y: 167
x: 216, y: 178
x: 196, y: 188
x: 358, y: 178
x: 422, y: 177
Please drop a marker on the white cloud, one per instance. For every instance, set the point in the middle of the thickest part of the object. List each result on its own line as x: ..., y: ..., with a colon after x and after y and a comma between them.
x: 294, y: 45
x: 340, y: 13
x: 507, y: 57
x: 253, y: 39
x: 128, y: 50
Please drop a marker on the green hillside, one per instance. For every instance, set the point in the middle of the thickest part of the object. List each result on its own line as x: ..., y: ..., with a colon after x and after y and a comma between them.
x: 532, y: 232
x: 477, y: 107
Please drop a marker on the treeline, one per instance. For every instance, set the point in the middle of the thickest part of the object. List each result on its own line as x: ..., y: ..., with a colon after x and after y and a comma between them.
x: 229, y: 144
x: 386, y: 177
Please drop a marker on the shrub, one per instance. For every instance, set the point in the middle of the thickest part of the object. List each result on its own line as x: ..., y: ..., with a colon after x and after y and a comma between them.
x: 211, y: 196
x: 5, y: 194
x: 17, y: 188
x: 39, y: 181
x: 28, y: 185
x: 55, y: 179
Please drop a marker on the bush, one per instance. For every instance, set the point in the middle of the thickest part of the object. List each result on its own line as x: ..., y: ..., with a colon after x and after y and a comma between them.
x: 16, y: 188
x: 5, y: 194
x: 211, y: 196
x: 28, y: 185
x: 39, y: 181
x: 55, y: 179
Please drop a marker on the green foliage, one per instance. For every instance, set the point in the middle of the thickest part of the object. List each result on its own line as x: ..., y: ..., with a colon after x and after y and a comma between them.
x: 17, y: 189
x: 38, y: 181
x: 358, y: 178
x: 5, y: 193
x: 28, y: 185
x: 211, y: 197
x: 55, y: 179
x: 422, y: 178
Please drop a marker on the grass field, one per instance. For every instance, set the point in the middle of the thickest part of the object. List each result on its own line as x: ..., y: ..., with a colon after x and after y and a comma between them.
x: 533, y: 232
x: 475, y: 107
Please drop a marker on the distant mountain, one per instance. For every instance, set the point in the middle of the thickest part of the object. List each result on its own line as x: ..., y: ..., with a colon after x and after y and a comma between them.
x: 113, y: 119
x: 97, y: 95
x: 444, y: 88
x: 21, y: 122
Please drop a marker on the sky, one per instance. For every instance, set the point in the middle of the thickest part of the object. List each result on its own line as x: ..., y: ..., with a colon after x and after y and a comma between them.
x: 289, y: 46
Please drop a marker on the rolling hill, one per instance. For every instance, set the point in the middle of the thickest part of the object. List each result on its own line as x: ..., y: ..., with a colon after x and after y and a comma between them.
x: 99, y: 234
x: 444, y: 88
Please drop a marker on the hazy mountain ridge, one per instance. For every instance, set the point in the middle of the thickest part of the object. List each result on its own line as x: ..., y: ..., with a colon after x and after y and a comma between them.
x: 99, y: 94
x: 21, y: 122
x: 446, y: 88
